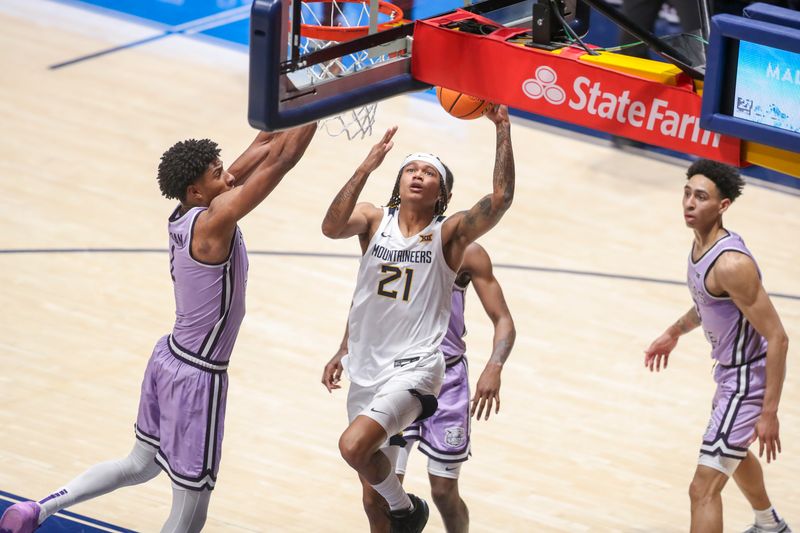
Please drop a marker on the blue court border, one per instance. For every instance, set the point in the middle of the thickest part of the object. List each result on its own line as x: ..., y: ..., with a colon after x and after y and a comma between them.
x: 320, y: 255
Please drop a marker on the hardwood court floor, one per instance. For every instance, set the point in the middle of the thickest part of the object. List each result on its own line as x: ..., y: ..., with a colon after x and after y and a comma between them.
x: 586, y: 440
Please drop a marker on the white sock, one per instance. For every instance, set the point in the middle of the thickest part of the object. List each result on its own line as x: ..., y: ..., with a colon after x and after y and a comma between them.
x: 137, y: 468
x: 392, y: 491
x: 767, y: 519
x: 189, y: 510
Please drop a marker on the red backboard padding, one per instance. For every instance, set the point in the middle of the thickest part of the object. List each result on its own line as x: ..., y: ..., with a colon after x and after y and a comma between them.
x: 562, y: 87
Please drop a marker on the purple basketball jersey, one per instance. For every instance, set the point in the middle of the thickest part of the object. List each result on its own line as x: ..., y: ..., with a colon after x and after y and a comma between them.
x: 209, y: 299
x: 184, y: 390
x: 733, y: 340
x: 453, y: 345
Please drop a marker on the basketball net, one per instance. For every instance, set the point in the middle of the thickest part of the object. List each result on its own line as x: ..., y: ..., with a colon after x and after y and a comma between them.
x: 329, y: 22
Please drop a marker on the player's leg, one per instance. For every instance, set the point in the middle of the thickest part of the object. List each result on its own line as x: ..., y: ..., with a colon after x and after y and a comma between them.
x: 750, y: 479
x: 750, y: 386
x: 375, y: 414
x: 444, y: 491
x: 404, y: 452
x: 714, y: 468
x: 137, y: 467
x: 192, y: 403
x: 376, y: 508
x: 445, y: 439
x: 360, y: 443
x: 189, y: 510
x: 705, y: 494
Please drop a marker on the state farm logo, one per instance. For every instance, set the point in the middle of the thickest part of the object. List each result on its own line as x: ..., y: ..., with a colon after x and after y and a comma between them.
x: 607, y: 100
x: 543, y: 84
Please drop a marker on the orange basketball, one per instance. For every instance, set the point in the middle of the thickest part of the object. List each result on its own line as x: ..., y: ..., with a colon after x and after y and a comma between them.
x: 462, y: 105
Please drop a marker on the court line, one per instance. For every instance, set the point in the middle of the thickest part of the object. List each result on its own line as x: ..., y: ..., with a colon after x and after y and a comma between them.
x: 325, y: 255
x: 191, y: 27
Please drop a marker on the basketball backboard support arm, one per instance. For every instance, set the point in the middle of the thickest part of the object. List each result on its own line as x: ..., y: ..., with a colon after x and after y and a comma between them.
x: 657, y: 45
x: 705, y: 18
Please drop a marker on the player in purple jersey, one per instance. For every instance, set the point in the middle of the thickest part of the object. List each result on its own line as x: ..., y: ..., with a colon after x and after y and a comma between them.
x: 397, y: 366
x: 445, y: 436
x: 182, y: 405
x: 748, y: 344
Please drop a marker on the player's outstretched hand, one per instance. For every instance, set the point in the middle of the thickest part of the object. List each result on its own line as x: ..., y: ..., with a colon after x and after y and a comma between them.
x: 332, y: 373
x: 498, y: 114
x: 767, y: 430
x: 659, y: 351
x: 487, y: 391
x: 379, y: 151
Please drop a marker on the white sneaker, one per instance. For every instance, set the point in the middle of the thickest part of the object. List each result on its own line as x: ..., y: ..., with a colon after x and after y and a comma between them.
x: 783, y: 527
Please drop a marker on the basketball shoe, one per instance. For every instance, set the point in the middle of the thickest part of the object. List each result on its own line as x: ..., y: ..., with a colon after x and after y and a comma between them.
x: 20, y: 518
x: 783, y: 527
x: 410, y: 521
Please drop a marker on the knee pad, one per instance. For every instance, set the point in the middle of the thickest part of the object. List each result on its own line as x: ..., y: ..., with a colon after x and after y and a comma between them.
x: 429, y: 404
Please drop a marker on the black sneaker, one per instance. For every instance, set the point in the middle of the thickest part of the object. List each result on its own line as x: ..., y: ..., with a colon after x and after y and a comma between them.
x: 410, y: 521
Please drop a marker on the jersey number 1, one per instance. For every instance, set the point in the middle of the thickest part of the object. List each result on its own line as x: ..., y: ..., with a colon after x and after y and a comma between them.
x: 395, y: 273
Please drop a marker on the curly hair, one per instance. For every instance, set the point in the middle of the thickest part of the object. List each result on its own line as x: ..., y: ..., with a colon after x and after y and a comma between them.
x: 727, y: 178
x: 183, y: 164
x: 445, y: 188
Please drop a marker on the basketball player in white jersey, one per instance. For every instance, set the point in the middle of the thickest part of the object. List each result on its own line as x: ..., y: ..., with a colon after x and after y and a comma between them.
x: 181, y: 417
x: 401, y: 304
x: 445, y: 437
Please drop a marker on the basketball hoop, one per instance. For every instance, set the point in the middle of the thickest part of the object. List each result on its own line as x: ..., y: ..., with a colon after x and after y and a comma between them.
x: 325, y: 23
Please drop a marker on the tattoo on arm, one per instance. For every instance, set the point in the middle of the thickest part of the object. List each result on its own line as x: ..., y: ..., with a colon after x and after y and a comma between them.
x: 345, y: 201
x: 490, y: 208
x: 688, y: 322
x: 504, y: 166
x: 482, y: 210
x: 502, y: 348
x: 344, y: 197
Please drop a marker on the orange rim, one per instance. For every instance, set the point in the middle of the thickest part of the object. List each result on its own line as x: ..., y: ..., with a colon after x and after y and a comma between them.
x: 348, y: 33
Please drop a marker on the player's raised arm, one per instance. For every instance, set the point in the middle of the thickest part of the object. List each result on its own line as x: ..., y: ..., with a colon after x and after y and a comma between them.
x: 737, y: 275
x: 268, y: 161
x: 345, y: 218
x: 245, y: 164
x: 466, y: 226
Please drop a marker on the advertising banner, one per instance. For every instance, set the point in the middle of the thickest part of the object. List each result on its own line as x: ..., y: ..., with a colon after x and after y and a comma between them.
x: 563, y: 87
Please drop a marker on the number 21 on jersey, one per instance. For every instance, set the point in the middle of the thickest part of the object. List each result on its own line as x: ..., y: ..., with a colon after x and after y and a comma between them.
x: 394, y: 273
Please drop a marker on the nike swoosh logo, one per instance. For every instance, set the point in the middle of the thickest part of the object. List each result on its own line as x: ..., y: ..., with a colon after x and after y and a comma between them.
x: 383, y: 234
x: 376, y: 411
x: 449, y: 468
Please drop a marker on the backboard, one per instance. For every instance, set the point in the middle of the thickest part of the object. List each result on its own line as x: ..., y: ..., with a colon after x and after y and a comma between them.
x: 315, y: 59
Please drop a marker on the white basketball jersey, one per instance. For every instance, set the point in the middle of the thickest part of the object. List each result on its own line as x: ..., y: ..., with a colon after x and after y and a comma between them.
x: 401, y: 305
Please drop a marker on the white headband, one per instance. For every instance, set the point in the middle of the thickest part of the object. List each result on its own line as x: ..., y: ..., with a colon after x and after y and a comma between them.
x: 430, y: 159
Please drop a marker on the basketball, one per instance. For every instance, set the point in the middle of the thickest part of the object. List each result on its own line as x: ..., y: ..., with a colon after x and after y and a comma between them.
x: 462, y: 105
